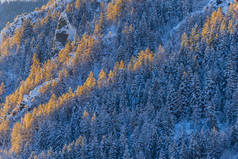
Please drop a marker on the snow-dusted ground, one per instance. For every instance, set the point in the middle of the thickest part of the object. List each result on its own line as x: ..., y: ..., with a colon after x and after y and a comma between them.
x: 26, y: 104
x: 16, y: 24
x: 32, y: 16
x: 112, y: 32
x: 182, y: 127
x: 229, y: 155
x: 186, y: 127
x: 27, y: 99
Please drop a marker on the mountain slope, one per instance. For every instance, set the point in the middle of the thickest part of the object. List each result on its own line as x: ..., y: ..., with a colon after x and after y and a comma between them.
x: 91, y: 79
x: 9, y: 10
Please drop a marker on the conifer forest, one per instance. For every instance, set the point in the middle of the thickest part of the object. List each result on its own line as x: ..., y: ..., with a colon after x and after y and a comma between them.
x: 119, y: 79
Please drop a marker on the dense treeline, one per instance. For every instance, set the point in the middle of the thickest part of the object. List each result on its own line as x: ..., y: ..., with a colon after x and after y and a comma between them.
x: 133, y: 31
x: 111, y: 90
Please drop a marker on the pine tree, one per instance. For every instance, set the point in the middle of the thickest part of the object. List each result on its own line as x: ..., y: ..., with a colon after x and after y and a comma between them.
x: 184, y: 40
x: 140, y: 155
x: 231, y: 76
x: 205, y: 29
x: 111, y: 76
x: 126, y: 154
x: 162, y: 154
x: 121, y: 67
x: 4, y: 132
x: 90, y: 82
x: 16, y: 139
x: 17, y: 38
x: 230, y: 27
x: 173, y: 150
x: 197, y: 102
x: 219, y: 15
x: 1, y: 89
x: 79, y: 91
x: 26, y: 28
x: 232, y: 108
x: 182, y: 96
x: 77, y: 4
x: 101, y: 78
x: 114, y: 10
x: 210, y: 86
x: 234, y: 134
x: 211, y: 115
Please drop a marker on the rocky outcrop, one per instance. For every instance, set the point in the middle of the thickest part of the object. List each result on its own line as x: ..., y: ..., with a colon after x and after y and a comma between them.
x: 64, y: 32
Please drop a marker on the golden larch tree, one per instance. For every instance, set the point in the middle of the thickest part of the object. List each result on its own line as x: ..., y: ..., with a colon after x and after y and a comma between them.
x: 1, y: 88
x: 90, y: 82
x: 16, y: 138
x: 77, y: 4
x: 101, y: 78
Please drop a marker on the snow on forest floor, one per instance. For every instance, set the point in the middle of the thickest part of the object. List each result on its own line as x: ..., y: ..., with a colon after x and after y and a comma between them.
x: 26, y: 104
x: 187, y: 128
x: 27, y: 99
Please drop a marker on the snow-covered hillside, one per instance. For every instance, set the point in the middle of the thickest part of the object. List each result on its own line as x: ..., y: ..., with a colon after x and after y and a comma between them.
x: 120, y: 79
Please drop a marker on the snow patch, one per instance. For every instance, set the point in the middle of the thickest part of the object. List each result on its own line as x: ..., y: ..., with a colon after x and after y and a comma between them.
x: 26, y: 104
x: 17, y: 23
x: 182, y: 127
x: 27, y: 99
x: 33, y: 16
x: 112, y: 32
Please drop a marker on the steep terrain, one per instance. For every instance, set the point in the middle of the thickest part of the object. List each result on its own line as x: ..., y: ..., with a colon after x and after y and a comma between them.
x: 9, y: 10
x: 120, y: 79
